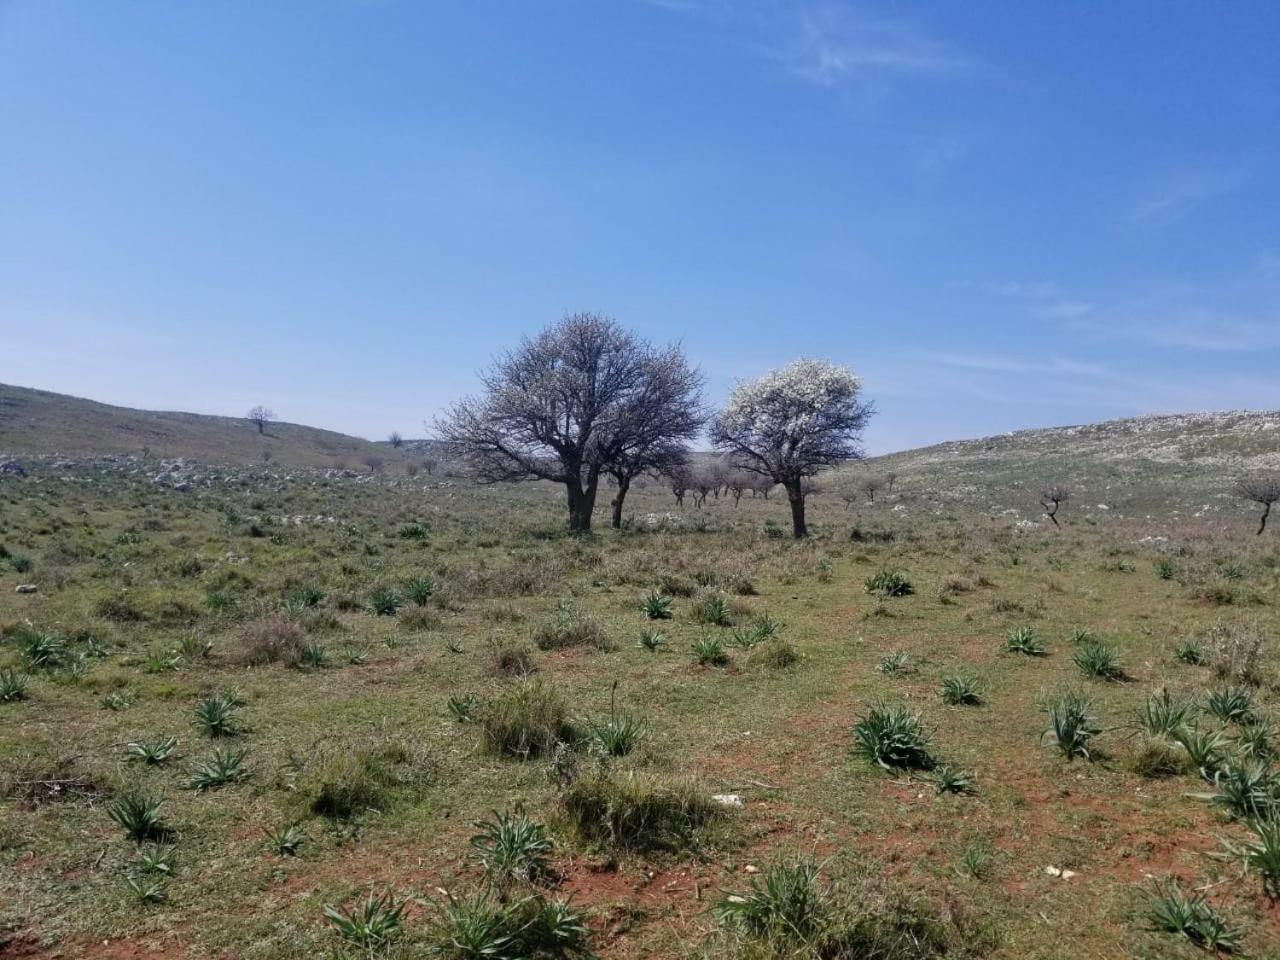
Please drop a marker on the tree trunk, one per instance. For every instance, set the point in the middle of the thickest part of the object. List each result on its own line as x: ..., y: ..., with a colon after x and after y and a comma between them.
x: 261, y: 427
x: 582, y: 503
x: 623, y: 487
x: 1266, y: 512
x: 796, y: 496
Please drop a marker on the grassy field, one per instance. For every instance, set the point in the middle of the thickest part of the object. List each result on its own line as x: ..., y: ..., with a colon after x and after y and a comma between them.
x: 331, y: 631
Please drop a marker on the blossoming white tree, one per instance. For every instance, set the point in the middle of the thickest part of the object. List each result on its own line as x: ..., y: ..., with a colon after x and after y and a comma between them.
x: 791, y: 423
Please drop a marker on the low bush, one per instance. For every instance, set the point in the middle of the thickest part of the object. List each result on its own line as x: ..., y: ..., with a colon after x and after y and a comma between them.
x: 569, y: 627
x: 528, y: 720
x: 342, y: 780
x: 271, y: 639
x: 640, y: 814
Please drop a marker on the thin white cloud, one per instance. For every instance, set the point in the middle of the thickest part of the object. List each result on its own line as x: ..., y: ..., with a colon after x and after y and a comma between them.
x: 1179, y: 193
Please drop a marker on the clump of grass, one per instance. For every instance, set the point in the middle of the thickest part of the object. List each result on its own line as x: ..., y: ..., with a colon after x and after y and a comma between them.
x: 341, y: 781
x: 1230, y: 704
x: 1166, y: 569
x: 1253, y: 739
x: 1190, y: 652
x: 118, y: 700
x: 775, y: 655
x: 151, y: 752
x: 656, y: 606
x: 617, y: 734
x: 138, y: 814
x: 420, y: 619
x: 508, y: 659
x: 526, y: 721
x: 308, y: 595
x: 1193, y: 917
x: 711, y: 608
x: 893, y: 737
x: 484, y: 926
x: 224, y: 766
x: 273, y: 639
x: 710, y: 651
x: 370, y: 925
x: 1206, y: 749
x: 419, y: 590
x: 314, y: 655
x: 1071, y: 726
x: 949, y: 779
x: 42, y: 650
x: 888, y: 583
x: 147, y: 891
x: 760, y: 629
x: 513, y: 848
x: 787, y: 906
x: 569, y: 627
x: 1233, y: 650
x: 894, y: 664
x: 1023, y: 640
x: 959, y: 689
x: 639, y: 814
x: 1099, y: 660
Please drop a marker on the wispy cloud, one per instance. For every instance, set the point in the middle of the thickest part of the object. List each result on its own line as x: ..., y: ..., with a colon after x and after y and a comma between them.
x: 829, y: 42
x: 1177, y: 194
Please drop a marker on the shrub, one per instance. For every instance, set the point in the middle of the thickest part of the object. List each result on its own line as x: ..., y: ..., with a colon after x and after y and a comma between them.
x: 483, y: 926
x: 651, y: 640
x: 1193, y: 917
x: 775, y: 655
x: 118, y: 609
x: 894, y: 664
x: 569, y: 627
x: 892, y: 736
x: 512, y: 847
x: 1099, y: 660
x: 888, y: 583
x: 1156, y: 758
x: 949, y: 779
x: 151, y: 752
x: 959, y: 689
x: 639, y: 814
x: 526, y: 721
x: 1023, y: 639
x: 420, y: 590
x: 1205, y: 748
x: 1246, y: 790
x: 787, y: 904
x: 1071, y: 726
x: 1234, y: 650
x: 272, y: 639
x: 420, y: 619
x: 617, y: 734
x: 1189, y: 652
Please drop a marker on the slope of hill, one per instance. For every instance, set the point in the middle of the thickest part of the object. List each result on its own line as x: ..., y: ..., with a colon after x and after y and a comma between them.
x: 39, y: 422
x: 1174, y: 465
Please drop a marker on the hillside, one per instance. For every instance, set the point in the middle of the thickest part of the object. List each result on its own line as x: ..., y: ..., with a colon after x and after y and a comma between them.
x: 39, y: 422
x: 1172, y: 465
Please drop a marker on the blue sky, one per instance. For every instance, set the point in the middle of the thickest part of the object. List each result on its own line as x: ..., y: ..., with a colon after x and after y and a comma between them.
x: 1000, y: 214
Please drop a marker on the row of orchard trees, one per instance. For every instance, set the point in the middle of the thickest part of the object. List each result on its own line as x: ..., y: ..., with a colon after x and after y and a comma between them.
x: 586, y: 399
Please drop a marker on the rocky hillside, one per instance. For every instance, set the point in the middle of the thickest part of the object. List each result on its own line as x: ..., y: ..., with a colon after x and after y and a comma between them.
x: 36, y: 422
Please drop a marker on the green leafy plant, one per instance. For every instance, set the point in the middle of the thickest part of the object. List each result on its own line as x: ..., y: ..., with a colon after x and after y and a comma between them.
x: 313, y: 655
x: 13, y: 685
x: 1245, y: 790
x: 651, y: 640
x: 1023, y: 640
x: 526, y: 721
x: 1206, y: 749
x: 512, y: 847
x: 420, y: 590
x: 370, y: 924
x: 224, y: 766
x: 147, y: 890
x: 151, y: 752
x: 656, y: 606
x: 286, y: 839
x: 1230, y: 704
x: 1163, y: 716
x: 617, y: 734
x: 462, y: 708
x: 711, y: 607
x: 1071, y: 726
x: 138, y: 814
x: 959, y: 689
x: 1190, y: 652
x: 218, y: 715
x: 894, y: 664
x: 787, y: 906
x: 384, y: 602
x: 118, y: 699
x: 888, y: 583
x: 1172, y: 911
x: 710, y: 651
x: 892, y: 736
x: 1099, y: 660
x: 949, y: 779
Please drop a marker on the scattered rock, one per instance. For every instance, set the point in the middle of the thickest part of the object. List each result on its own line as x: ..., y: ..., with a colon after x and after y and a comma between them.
x: 26, y: 588
x: 728, y: 800
x: 12, y: 468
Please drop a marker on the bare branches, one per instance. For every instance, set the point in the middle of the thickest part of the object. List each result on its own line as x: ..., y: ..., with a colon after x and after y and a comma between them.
x: 260, y: 416
x: 1264, y: 490
x: 1052, y: 497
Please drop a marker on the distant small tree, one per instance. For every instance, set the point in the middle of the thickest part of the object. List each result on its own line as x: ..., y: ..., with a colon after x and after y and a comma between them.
x: 1262, y: 489
x: 871, y: 486
x: 793, y: 422
x: 374, y: 463
x: 1052, y: 497
x: 266, y: 456
x: 703, y: 481
x: 410, y: 469
x: 395, y: 439
x: 890, y: 479
x: 677, y: 477
x: 429, y: 464
x: 260, y: 416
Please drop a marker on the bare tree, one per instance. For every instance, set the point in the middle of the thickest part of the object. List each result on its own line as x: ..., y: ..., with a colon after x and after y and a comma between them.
x: 871, y: 486
x: 703, y: 480
x: 1052, y: 497
x: 395, y: 439
x: 890, y: 479
x: 1262, y: 489
x: 429, y: 464
x: 564, y: 406
x: 374, y: 463
x: 260, y: 416
x: 793, y: 422
x: 677, y: 477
